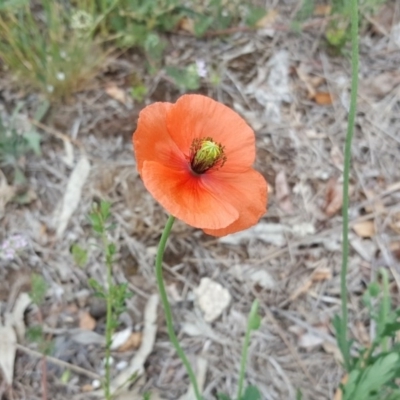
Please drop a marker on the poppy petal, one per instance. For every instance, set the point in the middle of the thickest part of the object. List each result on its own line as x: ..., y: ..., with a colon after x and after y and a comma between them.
x: 187, y: 197
x: 248, y: 193
x: 195, y: 116
x: 151, y: 139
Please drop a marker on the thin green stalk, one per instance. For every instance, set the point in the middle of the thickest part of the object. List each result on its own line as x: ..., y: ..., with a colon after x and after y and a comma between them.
x: 253, y: 323
x: 346, y: 179
x: 167, y: 308
x: 385, y: 308
x: 109, y: 319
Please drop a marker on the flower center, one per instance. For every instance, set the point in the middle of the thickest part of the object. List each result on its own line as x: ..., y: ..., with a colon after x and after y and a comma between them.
x: 206, y: 154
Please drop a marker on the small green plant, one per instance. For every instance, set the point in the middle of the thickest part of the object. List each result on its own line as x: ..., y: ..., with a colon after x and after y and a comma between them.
x: 185, y: 78
x: 147, y: 396
x: 35, y: 333
x: 221, y: 14
x: 79, y: 254
x: 17, y: 138
x: 338, y: 32
x: 139, y: 22
x: 114, y: 295
x: 138, y: 92
x: 374, y: 369
x: 50, y: 49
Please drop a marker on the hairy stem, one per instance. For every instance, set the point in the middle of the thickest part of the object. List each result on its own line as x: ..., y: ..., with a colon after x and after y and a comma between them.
x: 167, y: 307
x: 346, y: 179
x: 109, y: 319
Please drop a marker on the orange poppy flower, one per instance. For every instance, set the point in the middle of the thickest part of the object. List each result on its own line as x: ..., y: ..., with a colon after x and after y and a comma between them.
x: 195, y: 157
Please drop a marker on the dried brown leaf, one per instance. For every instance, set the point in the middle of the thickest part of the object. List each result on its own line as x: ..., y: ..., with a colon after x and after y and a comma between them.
x: 333, y: 197
x: 323, y: 98
x: 133, y: 342
x: 312, y: 83
x: 364, y: 229
x: 322, y: 10
x: 187, y: 25
x: 120, y: 338
x: 117, y: 93
x: 87, y: 388
x: 321, y: 274
x: 86, y: 321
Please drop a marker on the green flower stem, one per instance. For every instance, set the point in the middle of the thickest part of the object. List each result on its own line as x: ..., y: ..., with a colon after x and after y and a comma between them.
x: 252, y: 321
x: 385, y: 307
x: 346, y: 179
x: 167, y: 307
x: 109, y: 319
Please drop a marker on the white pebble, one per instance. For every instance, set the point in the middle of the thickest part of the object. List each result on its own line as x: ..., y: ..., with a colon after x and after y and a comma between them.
x: 96, y: 384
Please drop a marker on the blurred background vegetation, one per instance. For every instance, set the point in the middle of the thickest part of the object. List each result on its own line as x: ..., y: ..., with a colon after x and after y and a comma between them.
x: 59, y: 46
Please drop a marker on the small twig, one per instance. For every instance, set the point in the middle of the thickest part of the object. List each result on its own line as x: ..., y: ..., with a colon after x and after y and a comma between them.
x: 58, y: 362
x: 229, y: 31
x: 56, y: 133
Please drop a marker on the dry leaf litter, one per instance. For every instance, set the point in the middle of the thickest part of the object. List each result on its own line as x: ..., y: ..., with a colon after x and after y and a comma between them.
x: 295, y: 95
